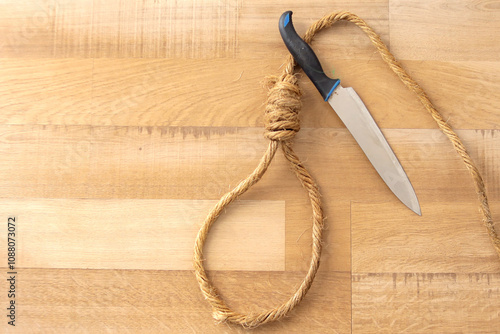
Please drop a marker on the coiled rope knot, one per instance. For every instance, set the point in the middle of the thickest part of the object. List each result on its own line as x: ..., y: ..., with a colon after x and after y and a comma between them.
x: 282, y: 108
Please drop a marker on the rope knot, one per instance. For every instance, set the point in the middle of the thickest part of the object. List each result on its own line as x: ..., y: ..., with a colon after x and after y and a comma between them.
x: 282, y: 108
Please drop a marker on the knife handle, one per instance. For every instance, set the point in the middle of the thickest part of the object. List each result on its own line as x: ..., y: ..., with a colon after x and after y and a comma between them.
x: 305, y: 57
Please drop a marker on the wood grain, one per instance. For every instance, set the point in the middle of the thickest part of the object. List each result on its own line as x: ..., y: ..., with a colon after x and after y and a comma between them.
x: 117, y: 115
x: 192, y: 162
x: 426, y: 302
x: 170, y: 29
x: 450, y: 240
x: 444, y: 30
x: 145, y: 234
x: 55, y: 300
x: 229, y: 92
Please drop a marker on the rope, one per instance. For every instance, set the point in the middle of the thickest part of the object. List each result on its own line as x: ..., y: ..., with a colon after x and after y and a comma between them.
x: 282, y: 123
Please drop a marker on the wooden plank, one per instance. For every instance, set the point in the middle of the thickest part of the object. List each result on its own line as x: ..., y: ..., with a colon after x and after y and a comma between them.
x: 178, y: 92
x: 170, y: 29
x: 170, y: 301
x: 131, y: 162
x: 425, y: 302
x: 144, y: 234
x: 472, y: 104
x: 166, y: 29
x: 346, y: 40
x: 448, y: 238
x: 230, y: 92
x: 46, y: 91
x: 444, y: 30
x: 34, y: 28
x: 120, y: 29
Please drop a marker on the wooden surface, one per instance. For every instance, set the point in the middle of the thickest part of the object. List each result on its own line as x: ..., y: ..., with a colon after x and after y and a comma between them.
x: 122, y: 122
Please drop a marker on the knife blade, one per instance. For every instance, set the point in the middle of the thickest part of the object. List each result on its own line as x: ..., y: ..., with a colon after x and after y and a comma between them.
x: 354, y: 114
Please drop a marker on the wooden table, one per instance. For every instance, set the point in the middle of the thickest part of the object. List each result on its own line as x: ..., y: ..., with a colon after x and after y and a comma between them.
x: 122, y: 122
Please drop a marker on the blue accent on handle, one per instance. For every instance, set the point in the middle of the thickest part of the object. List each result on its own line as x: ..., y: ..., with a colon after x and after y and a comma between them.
x: 287, y: 19
x: 331, y: 90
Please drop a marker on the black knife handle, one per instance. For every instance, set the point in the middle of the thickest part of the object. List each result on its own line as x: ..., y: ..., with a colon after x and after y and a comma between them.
x: 305, y: 57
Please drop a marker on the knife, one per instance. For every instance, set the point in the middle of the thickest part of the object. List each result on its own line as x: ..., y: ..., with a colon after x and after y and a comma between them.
x: 354, y: 114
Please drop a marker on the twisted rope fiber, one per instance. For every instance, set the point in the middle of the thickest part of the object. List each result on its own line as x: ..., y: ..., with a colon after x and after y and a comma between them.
x: 282, y: 123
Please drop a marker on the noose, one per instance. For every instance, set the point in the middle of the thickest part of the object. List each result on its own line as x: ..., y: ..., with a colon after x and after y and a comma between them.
x: 282, y: 123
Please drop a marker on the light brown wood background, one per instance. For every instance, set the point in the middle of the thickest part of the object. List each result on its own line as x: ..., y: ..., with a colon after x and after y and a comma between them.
x: 122, y: 122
